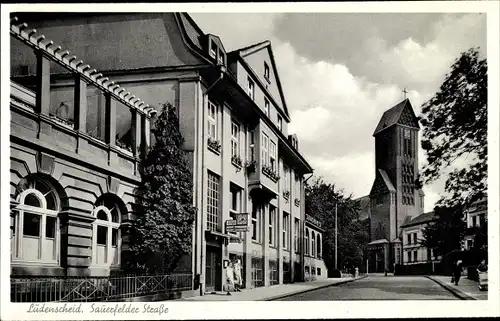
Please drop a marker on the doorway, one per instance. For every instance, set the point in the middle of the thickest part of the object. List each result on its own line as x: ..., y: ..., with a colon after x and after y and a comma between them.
x: 213, y: 269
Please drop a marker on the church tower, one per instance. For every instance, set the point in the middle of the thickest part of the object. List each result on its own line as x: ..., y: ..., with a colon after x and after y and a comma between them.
x: 394, y: 197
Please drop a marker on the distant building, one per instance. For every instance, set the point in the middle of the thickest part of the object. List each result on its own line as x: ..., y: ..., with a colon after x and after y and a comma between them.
x: 475, y: 217
x: 393, y: 196
x: 314, y: 265
x: 414, y: 252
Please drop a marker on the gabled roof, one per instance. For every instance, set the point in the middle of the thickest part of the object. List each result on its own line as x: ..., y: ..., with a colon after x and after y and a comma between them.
x: 193, y: 31
x: 387, y: 180
x: 392, y: 116
x: 421, y: 219
x: 382, y: 176
x: 245, y: 51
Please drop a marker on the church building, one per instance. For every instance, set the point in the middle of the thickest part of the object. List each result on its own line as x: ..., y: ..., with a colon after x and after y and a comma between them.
x: 394, y: 198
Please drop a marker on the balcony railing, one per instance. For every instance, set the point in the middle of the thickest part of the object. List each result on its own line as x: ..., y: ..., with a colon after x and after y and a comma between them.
x: 93, y: 289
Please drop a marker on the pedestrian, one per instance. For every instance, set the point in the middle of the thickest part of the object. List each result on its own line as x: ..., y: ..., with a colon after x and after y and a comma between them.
x: 482, y: 273
x: 230, y: 277
x: 457, y: 271
x: 237, y: 276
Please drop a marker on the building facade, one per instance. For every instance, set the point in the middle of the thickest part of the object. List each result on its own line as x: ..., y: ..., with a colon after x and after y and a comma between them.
x: 393, y: 196
x: 414, y: 252
x: 246, y: 168
x: 475, y: 217
x: 315, y: 268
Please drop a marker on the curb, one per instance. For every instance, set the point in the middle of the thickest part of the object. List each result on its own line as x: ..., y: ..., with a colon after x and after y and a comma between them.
x: 281, y: 296
x: 456, y: 292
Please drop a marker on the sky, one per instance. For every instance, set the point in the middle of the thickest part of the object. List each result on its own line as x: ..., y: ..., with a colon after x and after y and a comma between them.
x: 341, y: 71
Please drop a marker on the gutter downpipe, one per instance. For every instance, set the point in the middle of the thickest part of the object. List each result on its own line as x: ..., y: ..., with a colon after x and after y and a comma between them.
x: 302, y: 230
x: 203, y: 168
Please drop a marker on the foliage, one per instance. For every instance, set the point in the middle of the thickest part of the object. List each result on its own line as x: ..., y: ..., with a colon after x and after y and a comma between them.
x: 161, y: 233
x: 455, y: 131
x: 447, y: 232
x: 455, y: 128
x: 352, y: 234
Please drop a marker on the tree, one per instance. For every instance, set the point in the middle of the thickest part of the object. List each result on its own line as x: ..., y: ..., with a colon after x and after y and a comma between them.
x: 161, y: 234
x: 449, y: 223
x: 455, y: 130
x: 455, y: 127
x: 352, y: 235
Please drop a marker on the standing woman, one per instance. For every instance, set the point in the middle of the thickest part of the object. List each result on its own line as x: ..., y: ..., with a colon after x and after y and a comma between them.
x: 230, y: 278
x: 458, y: 271
x: 237, y: 275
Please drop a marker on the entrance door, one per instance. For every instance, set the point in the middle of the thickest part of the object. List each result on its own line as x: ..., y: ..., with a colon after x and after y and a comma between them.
x: 213, y: 270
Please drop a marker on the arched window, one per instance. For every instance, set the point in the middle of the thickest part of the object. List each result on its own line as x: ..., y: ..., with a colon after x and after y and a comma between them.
x: 307, y: 243
x: 106, y: 238
x: 35, y: 224
x: 313, y: 242
x: 318, y: 245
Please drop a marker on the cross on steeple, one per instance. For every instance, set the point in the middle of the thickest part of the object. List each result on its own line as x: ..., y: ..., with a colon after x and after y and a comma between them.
x: 405, y: 91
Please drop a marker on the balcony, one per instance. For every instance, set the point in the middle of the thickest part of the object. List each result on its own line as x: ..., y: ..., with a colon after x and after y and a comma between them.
x: 61, y: 104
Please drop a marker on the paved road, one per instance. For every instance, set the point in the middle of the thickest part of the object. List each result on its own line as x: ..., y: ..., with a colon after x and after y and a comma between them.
x: 379, y: 288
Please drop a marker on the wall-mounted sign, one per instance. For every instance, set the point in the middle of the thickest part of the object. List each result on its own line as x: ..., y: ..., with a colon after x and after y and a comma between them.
x: 241, y: 218
x: 236, y: 228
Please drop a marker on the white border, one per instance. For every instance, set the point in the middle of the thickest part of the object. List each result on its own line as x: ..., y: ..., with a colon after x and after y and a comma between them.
x: 282, y: 310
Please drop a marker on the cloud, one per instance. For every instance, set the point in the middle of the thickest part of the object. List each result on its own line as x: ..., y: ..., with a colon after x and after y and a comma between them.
x: 340, y: 72
x: 237, y: 30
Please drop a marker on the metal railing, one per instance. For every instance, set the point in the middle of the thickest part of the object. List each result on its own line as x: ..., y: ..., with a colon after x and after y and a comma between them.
x: 93, y: 289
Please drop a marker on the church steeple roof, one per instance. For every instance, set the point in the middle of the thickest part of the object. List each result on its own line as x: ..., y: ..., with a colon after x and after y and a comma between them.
x: 394, y: 115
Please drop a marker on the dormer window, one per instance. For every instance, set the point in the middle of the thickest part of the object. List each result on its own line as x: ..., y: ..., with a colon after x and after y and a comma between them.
x: 266, y: 71
x: 280, y: 123
x: 266, y: 107
x: 213, y: 49
x: 220, y: 58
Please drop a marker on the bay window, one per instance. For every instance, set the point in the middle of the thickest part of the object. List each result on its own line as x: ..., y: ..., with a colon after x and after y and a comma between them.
x: 272, y: 155
x: 235, y: 139
x: 212, y: 120
x: 265, y: 150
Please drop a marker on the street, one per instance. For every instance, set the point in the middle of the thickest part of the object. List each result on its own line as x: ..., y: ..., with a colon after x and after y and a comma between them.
x: 379, y: 288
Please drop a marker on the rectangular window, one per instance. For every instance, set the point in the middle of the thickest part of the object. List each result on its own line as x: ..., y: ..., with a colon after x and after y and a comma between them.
x: 415, y: 256
x: 409, y: 256
x: 32, y: 223
x: 265, y: 150
x: 212, y: 120
x: 319, y: 271
x: 251, y: 147
x: 235, y: 198
x: 296, y: 238
x: 272, y: 155
x: 469, y: 244
x: 114, y: 237
x: 286, y: 222
x: 213, y: 213
x: 251, y: 88
x: 50, y: 227
x: 255, y: 224
x: 407, y: 143
x: 102, y: 235
x: 415, y: 238
x: 280, y: 123
x: 297, y: 187
x: 213, y: 49
x: 379, y: 200
x: 272, y: 225
x: 266, y: 107
x: 235, y: 139
x: 286, y: 178
x: 220, y: 57
x: 409, y: 238
x: 266, y: 71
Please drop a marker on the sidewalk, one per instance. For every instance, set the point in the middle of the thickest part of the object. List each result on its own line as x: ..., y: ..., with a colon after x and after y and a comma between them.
x: 272, y: 292
x: 466, y: 289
